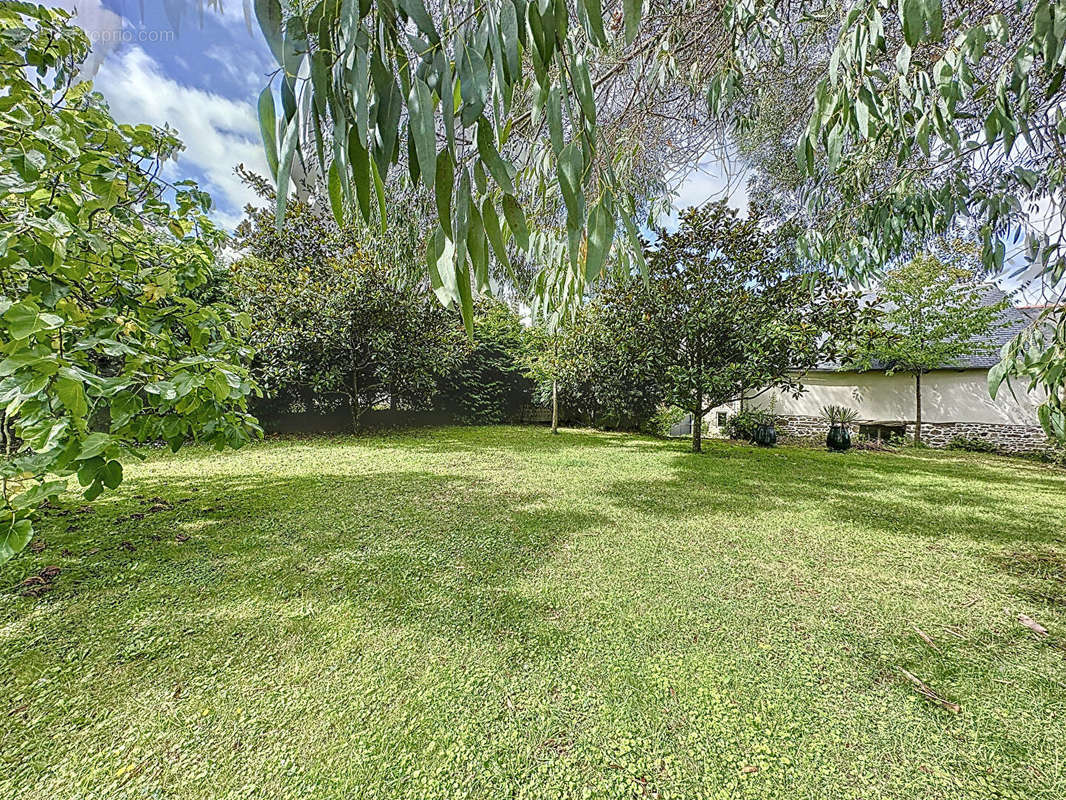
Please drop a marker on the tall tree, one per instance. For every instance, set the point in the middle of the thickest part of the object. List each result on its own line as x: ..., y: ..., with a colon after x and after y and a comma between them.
x: 728, y: 315
x: 545, y: 126
x: 107, y: 337
x: 336, y: 312
x: 933, y: 315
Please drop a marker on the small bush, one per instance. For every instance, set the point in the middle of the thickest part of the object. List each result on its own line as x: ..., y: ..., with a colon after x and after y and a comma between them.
x: 839, y: 415
x: 664, y: 419
x: 972, y: 444
x: 1056, y: 454
x: 742, y: 425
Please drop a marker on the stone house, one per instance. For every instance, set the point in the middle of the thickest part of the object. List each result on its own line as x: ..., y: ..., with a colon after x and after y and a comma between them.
x: 955, y: 399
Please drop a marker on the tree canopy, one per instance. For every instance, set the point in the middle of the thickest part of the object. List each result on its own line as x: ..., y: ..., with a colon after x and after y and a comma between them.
x: 107, y: 337
x: 932, y: 314
x: 550, y: 126
x: 339, y: 314
x: 729, y: 318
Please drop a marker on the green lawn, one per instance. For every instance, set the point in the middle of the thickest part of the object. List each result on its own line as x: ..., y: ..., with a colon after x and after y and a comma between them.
x: 499, y: 613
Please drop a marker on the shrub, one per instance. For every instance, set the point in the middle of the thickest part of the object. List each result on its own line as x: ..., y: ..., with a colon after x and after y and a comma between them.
x: 665, y: 419
x: 490, y: 384
x: 1055, y: 454
x: 607, y: 375
x: 742, y: 425
x: 972, y: 444
x: 839, y: 415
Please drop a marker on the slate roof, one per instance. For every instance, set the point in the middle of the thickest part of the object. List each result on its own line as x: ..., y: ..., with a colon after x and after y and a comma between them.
x: 1014, y: 320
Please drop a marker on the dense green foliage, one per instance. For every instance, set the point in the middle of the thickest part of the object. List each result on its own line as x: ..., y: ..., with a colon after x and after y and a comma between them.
x: 370, y: 85
x: 490, y: 383
x: 342, y: 314
x: 106, y: 337
x: 932, y: 314
x: 721, y: 314
x: 726, y: 317
x: 607, y: 374
x: 743, y: 425
x: 342, y: 326
x: 494, y: 612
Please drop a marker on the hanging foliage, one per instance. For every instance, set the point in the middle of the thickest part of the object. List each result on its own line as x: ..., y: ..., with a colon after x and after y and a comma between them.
x: 530, y: 123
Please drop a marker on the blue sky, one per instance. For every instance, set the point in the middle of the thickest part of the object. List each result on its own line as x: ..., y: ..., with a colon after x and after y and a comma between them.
x: 199, y: 74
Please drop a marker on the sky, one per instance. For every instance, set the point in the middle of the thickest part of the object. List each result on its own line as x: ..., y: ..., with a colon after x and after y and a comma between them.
x: 202, y: 73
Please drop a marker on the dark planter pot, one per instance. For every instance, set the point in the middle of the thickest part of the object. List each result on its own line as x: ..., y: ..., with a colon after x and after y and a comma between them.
x: 765, y: 436
x: 838, y: 438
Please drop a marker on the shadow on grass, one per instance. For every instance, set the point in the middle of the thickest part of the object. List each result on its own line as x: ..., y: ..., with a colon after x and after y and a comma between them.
x: 922, y: 495
x: 442, y: 553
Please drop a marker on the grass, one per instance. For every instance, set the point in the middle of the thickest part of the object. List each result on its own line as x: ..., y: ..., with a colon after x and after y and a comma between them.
x: 498, y: 613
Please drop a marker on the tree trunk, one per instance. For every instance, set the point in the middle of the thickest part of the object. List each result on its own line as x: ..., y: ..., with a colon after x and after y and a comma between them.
x: 697, y: 425
x: 356, y: 410
x: 555, y: 382
x: 555, y: 406
x: 917, y: 408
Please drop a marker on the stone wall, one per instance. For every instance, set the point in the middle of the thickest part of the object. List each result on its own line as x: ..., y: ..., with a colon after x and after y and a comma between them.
x: 1006, y: 438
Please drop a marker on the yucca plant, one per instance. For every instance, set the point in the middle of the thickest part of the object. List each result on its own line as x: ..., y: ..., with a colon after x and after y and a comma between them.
x: 839, y: 415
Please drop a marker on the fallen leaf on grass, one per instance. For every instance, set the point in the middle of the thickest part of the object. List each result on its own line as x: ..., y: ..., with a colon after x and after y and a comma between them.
x: 38, y: 584
x: 925, y: 637
x: 1032, y: 625
x: 929, y: 694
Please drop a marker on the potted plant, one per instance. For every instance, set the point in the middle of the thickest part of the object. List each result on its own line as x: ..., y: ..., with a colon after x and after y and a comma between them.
x: 838, y: 417
x: 765, y: 433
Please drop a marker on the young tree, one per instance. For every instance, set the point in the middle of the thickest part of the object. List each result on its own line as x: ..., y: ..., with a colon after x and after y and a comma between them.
x: 106, y: 337
x: 933, y: 314
x: 727, y: 315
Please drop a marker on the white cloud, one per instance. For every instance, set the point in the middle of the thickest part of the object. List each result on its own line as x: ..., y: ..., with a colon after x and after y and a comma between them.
x: 218, y: 132
x: 247, y: 73
x: 102, y: 25
x: 711, y: 181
